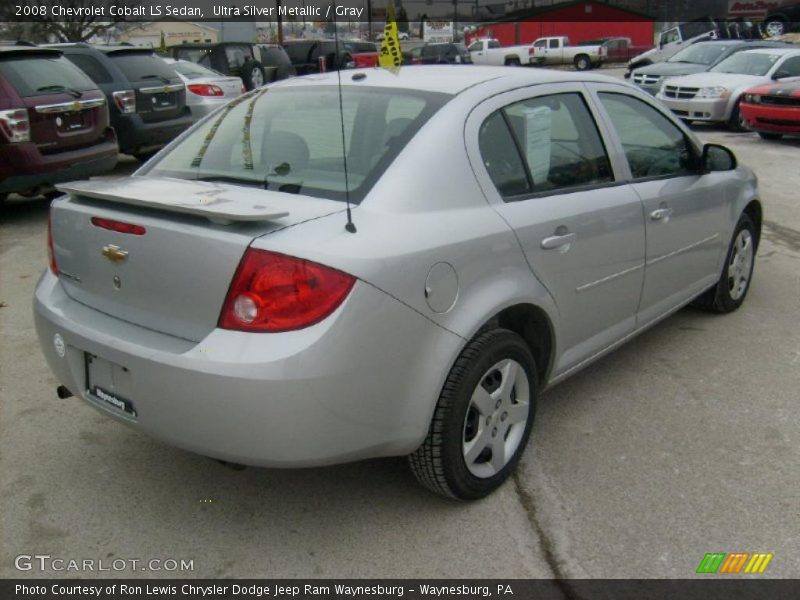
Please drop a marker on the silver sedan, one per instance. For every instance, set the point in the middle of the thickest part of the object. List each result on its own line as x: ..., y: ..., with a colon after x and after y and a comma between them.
x: 206, y: 90
x: 399, y: 266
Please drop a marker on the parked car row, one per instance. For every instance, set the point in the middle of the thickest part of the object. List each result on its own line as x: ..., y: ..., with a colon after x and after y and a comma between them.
x: 716, y: 95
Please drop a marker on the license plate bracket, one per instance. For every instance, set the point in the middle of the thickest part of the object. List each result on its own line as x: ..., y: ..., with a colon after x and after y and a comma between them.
x: 107, y: 384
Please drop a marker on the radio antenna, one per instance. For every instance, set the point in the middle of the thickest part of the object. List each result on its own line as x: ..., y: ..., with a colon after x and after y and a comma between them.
x: 350, y: 226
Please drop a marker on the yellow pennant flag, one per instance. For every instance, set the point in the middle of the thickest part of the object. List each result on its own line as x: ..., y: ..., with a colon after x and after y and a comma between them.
x: 391, y: 56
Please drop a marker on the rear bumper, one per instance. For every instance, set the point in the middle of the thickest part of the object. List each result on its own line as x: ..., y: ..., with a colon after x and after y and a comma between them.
x: 772, y: 119
x: 135, y: 135
x: 363, y: 383
x: 23, y: 168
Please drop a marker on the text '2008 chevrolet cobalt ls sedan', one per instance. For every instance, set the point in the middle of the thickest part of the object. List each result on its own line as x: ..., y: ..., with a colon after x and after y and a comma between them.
x: 507, y: 227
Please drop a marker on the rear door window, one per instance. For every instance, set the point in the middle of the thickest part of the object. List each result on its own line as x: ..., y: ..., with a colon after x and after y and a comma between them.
x: 40, y: 75
x: 558, y: 140
x: 141, y: 67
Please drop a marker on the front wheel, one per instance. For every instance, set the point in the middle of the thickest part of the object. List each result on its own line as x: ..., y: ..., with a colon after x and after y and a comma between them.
x: 734, y: 282
x: 482, y: 420
x: 737, y: 122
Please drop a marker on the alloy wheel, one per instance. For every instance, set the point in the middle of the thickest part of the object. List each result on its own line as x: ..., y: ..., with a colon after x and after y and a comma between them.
x: 740, y: 267
x: 496, y: 417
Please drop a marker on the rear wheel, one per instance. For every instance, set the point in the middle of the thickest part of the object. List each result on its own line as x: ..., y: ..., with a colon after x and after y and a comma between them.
x: 770, y: 136
x: 513, y: 62
x: 482, y: 420
x: 582, y: 62
x: 734, y: 282
x: 775, y: 27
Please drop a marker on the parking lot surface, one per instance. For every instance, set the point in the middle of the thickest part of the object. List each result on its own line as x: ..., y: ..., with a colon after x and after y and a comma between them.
x: 685, y: 441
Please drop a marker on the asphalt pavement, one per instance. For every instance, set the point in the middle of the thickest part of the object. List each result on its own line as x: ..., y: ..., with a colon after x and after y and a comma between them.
x: 685, y: 441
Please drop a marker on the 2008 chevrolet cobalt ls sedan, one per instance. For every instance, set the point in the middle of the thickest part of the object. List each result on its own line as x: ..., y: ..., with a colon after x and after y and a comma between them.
x: 507, y: 228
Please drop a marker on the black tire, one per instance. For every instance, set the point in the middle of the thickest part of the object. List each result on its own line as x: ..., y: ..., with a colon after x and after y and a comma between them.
x: 252, y: 75
x: 719, y: 298
x: 513, y: 62
x: 3, y: 198
x: 582, y: 62
x: 770, y: 136
x: 439, y: 463
x: 736, y: 122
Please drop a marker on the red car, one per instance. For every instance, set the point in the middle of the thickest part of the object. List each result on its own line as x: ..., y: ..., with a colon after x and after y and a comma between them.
x: 773, y: 109
x: 365, y: 54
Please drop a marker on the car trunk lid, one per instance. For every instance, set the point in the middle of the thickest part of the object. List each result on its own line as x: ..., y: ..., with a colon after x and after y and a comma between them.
x: 170, y: 272
x: 160, y: 92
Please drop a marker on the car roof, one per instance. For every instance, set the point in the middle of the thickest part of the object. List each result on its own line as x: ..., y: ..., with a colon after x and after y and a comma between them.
x: 446, y: 79
x: 103, y: 49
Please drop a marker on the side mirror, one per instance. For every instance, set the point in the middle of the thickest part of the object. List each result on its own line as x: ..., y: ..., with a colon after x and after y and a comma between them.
x: 718, y: 158
x: 781, y: 75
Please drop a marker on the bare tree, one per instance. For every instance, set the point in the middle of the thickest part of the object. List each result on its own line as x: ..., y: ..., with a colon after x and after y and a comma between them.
x: 83, y: 23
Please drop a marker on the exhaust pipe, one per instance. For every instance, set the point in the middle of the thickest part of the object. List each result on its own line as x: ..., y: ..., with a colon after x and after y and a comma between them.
x: 62, y: 392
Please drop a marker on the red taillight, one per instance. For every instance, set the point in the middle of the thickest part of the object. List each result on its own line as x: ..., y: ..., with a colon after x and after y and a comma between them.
x: 273, y: 292
x: 15, y: 125
x: 51, y: 255
x: 205, y: 89
x: 118, y: 226
x: 125, y: 101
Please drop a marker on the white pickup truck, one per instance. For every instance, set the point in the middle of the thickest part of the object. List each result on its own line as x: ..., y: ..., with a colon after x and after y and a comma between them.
x: 489, y: 52
x: 557, y: 51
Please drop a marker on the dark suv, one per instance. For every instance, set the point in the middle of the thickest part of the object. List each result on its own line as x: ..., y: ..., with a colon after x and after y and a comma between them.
x: 54, y: 122
x: 147, y: 97
x: 307, y: 55
x: 445, y: 53
x: 255, y: 64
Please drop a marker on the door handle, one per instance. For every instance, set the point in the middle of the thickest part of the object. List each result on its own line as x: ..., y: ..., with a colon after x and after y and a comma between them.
x: 661, y: 214
x: 557, y: 241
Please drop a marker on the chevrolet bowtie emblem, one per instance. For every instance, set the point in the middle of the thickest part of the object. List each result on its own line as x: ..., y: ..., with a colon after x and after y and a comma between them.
x: 114, y: 253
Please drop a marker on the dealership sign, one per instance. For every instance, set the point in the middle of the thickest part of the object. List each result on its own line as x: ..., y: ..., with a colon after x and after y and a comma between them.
x: 437, y: 31
x: 752, y: 8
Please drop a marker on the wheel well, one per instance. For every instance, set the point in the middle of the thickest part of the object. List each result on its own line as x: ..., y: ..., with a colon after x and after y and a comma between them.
x: 511, y: 57
x: 582, y: 55
x: 753, y: 210
x: 532, y: 325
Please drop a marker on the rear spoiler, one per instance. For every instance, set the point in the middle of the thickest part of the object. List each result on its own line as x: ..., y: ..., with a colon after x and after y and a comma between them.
x: 218, y: 202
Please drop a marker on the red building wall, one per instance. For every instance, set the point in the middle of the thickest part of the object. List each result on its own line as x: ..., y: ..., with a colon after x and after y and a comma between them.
x: 579, y: 21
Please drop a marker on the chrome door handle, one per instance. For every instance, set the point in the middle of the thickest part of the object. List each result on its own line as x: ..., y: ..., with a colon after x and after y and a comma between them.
x: 557, y: 241
x: 661, y: 213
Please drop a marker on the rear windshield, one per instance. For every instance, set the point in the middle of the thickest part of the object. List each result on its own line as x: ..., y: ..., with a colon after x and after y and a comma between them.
x: 291, y: 139
x: 701, y: 54
x: 37, y: 76
x: 140, y: 67
x: 192, y: 71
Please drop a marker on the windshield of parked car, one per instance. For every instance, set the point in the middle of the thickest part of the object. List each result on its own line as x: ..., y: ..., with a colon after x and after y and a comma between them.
x: 192, y: 70
x: 700, y: 54
x: 40, y: 75
x: 747, y: 63
x: 290, y: 139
